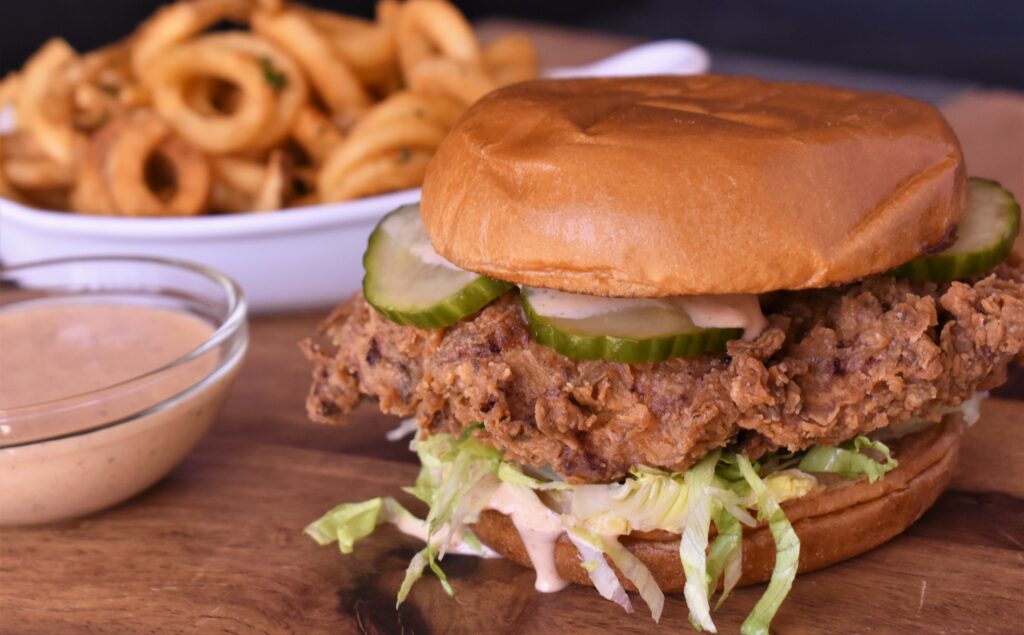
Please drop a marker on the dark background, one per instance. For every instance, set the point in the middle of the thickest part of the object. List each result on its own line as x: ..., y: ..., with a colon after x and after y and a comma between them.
x: 979, y: 41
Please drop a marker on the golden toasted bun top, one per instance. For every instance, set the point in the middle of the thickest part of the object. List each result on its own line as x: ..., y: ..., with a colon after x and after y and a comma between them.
x: 654, y: 186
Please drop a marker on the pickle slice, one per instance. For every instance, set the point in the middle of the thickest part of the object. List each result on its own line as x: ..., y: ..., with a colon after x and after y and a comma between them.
x: 984, y: 238
x: 409, y: 283
x: 642, y: 331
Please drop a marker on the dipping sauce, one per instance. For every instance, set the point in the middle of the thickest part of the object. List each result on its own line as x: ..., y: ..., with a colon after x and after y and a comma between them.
x: 97, y: 402
x: 54, y: 352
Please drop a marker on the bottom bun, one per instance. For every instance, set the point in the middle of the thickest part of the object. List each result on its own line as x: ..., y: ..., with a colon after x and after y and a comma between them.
x: 843, y: 520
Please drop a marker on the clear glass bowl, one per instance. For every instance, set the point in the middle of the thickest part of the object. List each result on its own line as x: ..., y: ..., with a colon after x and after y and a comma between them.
x: 82, y: 453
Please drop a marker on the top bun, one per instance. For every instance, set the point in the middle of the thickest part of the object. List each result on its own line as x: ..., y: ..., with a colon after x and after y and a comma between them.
x: 654, y: 186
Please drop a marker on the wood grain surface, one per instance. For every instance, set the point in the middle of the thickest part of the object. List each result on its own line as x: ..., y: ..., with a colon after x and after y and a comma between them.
x: 217, y: 547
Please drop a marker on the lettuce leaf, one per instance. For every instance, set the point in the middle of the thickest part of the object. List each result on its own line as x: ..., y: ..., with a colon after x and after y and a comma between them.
x: 423, y: 558
x: 734, y: 505
x: 725, y: 558
x: 694, y: 542
x: 601, y: 574
x: 648, y: 500
x: 456, y: 481
x: 636, y: 572
x: 511, y: 474
x: 787, y: 552
x: 412, y: 574
x: 349, y: 522
x: 849, y: 459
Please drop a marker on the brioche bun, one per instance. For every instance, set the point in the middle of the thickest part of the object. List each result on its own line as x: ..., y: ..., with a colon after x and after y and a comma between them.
x: 834, y: 524
x: 656, y: 186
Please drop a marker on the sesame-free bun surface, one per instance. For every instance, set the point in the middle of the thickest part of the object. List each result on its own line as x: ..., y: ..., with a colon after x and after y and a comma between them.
x: 654, y: 186
x: 840, y: 521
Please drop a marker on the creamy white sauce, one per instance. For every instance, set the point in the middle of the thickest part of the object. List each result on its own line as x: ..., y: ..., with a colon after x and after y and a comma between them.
x: 417, y: 528
x: 972, y: 408
x: 576, y: 306
x: 706, y: 311
x: 725, y: 311
x: 426, y: 254
x: 402, y: 430
x: 407, y: 229
x: 539, y: 528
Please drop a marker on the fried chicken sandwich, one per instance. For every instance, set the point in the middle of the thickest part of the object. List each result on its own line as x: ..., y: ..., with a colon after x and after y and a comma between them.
x: 678, y: 333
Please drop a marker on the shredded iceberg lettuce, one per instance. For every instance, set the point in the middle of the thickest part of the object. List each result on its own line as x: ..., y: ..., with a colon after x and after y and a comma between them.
x: 514, y: 476
x: 787, y: 552
x: 459, y: 477
x: 850, y: 460
x: 636, y: 572
x: 693, y: 546
x: 648, y: 500
x: 423, y: 558
x: 725, y: 557
x: 601, y: 574
x: 349, y: 522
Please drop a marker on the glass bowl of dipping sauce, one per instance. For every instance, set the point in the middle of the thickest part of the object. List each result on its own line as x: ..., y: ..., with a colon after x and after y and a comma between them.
x: 111, y: 370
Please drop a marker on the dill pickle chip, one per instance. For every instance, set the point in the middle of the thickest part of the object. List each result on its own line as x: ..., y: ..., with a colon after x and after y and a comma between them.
x: 638, y: 332
x: 409, y: 283
x: 984, y: 238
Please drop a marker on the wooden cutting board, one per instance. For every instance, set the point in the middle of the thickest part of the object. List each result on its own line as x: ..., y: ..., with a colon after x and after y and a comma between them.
x: 218, y: 548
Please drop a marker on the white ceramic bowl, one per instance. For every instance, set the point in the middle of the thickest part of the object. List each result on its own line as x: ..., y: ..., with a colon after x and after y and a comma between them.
x: 297, y: 258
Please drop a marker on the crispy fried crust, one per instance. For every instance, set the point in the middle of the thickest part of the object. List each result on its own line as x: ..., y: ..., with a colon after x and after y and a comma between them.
x: 834, y: 364
x: 834, y: 524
